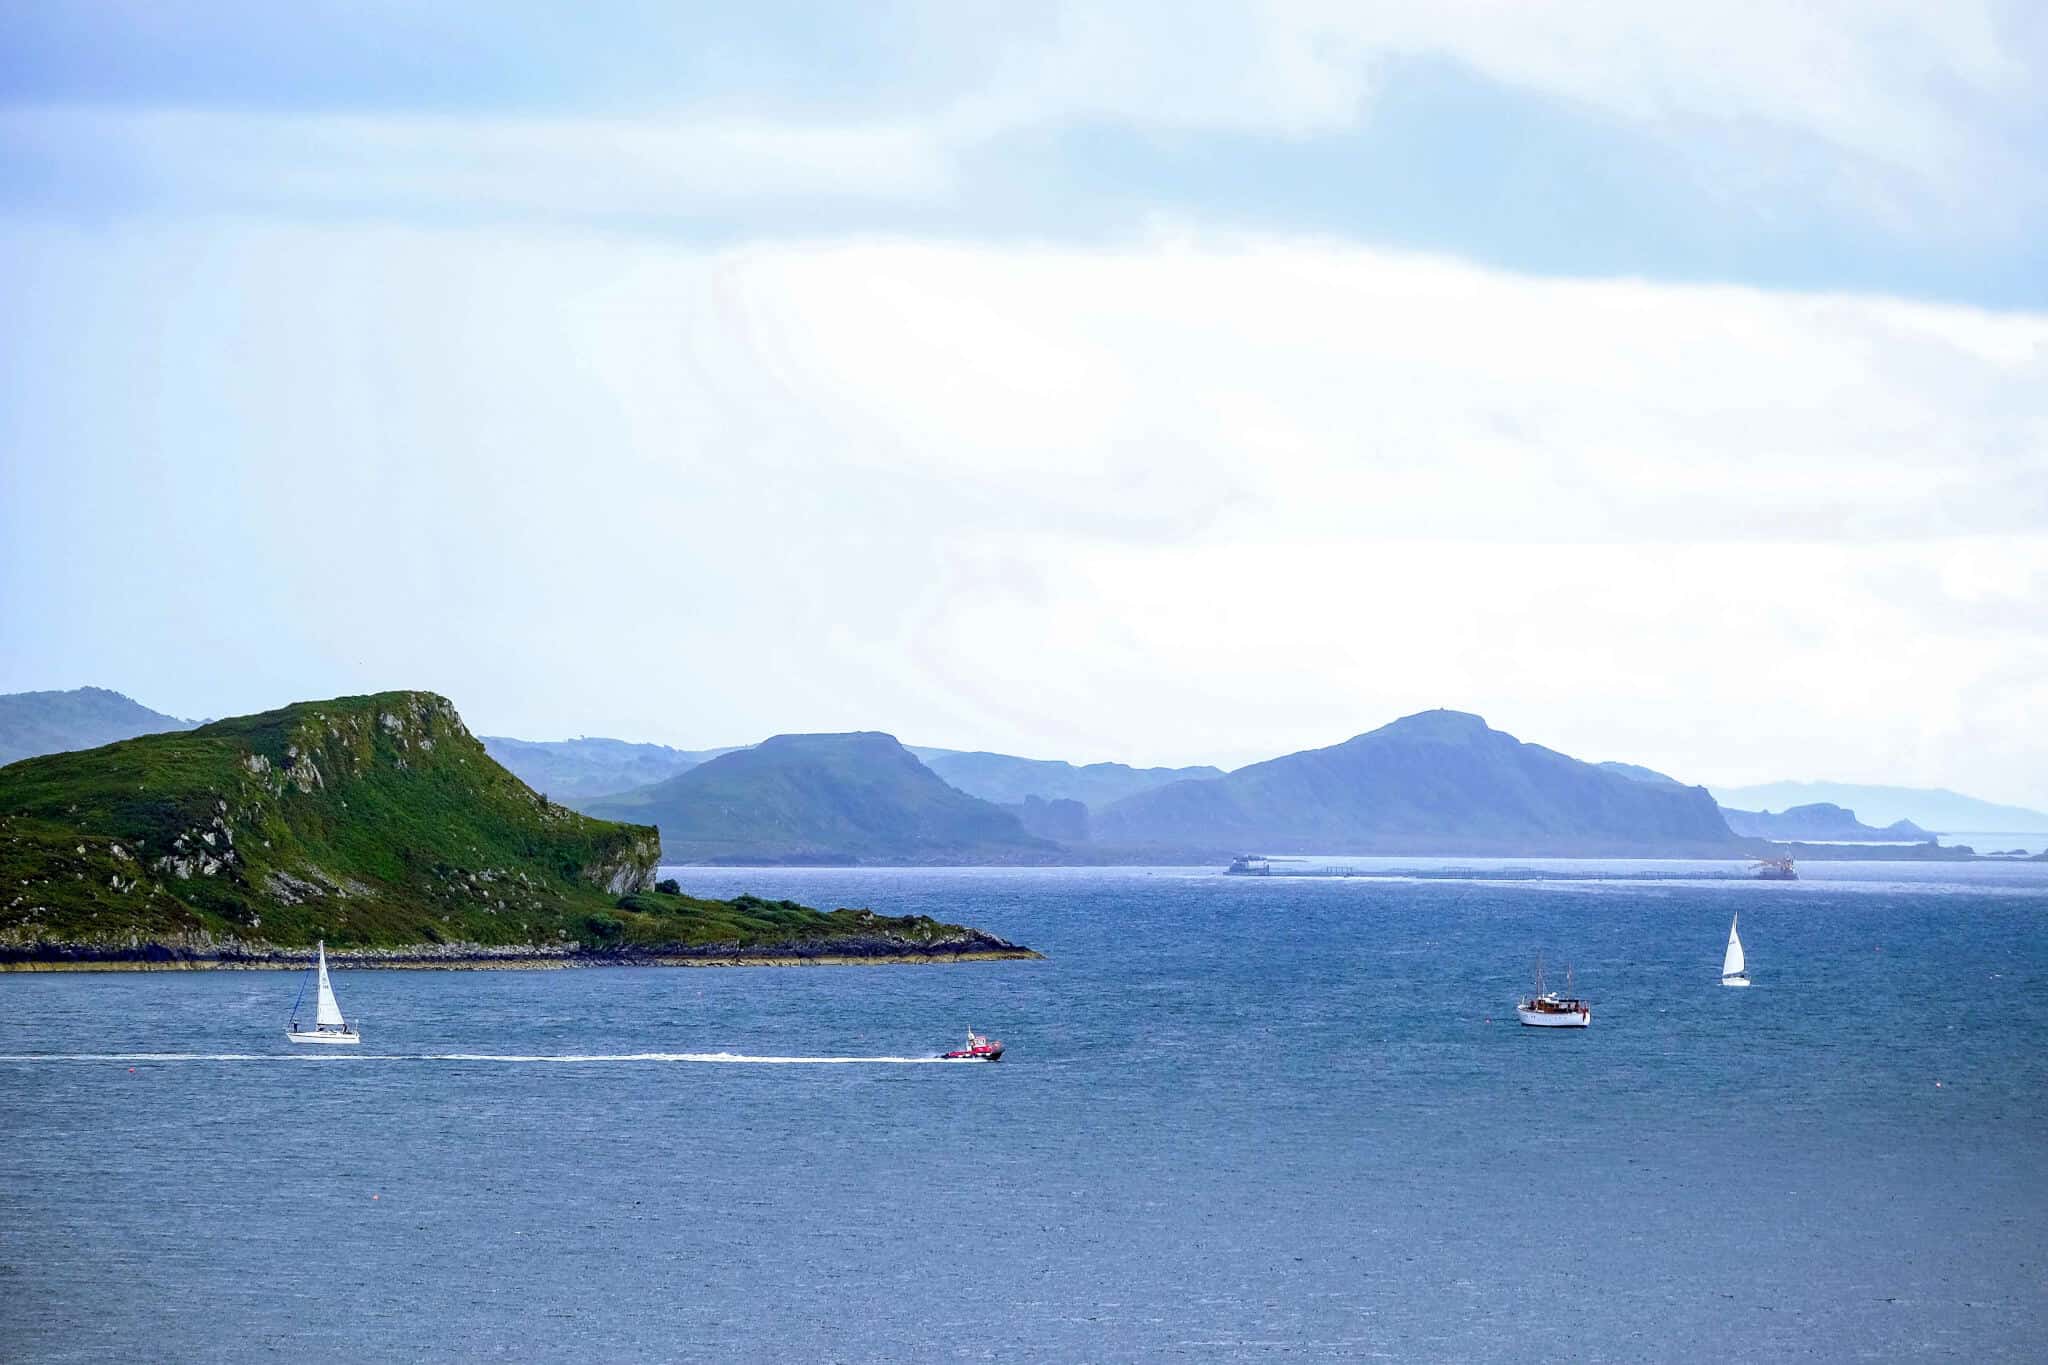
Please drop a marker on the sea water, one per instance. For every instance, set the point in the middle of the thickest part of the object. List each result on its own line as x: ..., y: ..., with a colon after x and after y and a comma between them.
x: 1239, y: 1118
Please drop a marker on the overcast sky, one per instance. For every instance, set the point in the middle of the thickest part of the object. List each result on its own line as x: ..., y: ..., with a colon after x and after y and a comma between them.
x: 1171, y: 383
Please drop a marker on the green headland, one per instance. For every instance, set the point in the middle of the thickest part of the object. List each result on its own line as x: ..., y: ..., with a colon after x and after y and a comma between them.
x: 380, y: 825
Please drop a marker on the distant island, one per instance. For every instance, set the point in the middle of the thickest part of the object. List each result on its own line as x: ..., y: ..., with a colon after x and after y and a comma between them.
x: 379, y: 824
x: 1821, y: 822
x: 1436, y: 782
x: 1932, y: 808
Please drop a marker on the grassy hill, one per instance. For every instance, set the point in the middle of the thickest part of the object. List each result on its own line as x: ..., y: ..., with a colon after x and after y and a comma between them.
x: 377, y: 823
x: 1437, y: 782
x: 845, y: 798
x: 34, y: 723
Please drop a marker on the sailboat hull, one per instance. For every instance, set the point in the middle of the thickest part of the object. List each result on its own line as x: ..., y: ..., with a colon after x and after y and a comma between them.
x: 1549, y: 1019
x: 329, y: 1036
x: 1735, y: 981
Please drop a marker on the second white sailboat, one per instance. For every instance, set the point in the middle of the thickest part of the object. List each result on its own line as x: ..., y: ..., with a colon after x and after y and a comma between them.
x: 1732, y: 965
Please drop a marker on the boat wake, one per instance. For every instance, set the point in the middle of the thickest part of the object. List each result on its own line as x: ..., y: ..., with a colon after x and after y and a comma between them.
x: 576, y: 1058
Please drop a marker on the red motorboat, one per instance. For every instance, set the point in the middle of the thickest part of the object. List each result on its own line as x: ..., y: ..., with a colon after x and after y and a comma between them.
x: 978, y: 1049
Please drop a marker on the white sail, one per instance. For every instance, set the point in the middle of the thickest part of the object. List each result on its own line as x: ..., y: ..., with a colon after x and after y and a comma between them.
x: 329, y: 1012
x: 1731, y: 965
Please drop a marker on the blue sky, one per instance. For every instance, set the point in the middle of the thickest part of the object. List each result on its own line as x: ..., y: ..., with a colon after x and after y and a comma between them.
x: 1663, y: 382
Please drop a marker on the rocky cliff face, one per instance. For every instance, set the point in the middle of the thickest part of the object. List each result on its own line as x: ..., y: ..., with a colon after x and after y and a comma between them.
x: 630, y: 870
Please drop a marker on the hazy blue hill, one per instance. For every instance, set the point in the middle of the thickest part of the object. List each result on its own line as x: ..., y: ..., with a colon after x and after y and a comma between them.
x: 575, y: 770
x: 1821, y: 822
x: 859, y: 797
x: 34, y: 723
x: 1934, y: 808
x: 1064, y: 821
x: 1437, y: 782
x: 1636, y: 772
x: 1007, y: 780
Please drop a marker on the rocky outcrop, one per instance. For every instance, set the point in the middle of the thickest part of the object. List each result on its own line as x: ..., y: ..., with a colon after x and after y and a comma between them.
x: 632, y: 869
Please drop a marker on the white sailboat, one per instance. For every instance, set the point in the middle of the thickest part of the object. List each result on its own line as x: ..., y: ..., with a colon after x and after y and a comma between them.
x: 1732, y: 973
x: 328, y: 1025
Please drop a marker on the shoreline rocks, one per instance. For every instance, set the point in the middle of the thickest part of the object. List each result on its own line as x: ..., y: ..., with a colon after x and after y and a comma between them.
x: 239, y: 955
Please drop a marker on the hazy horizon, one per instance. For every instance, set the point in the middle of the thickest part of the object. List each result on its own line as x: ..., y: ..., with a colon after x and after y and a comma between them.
x: 1160, y: 386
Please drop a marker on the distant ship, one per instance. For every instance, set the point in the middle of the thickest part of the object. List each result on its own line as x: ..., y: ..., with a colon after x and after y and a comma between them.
x: 978, y: 1049
x: 1548, y: 1009
x: 1732, y: 973
x: 1249, y: 865
x: 1775, y: 870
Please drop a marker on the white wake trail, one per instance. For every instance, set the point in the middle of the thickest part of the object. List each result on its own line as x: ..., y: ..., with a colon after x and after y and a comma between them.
x: 574, y: 1058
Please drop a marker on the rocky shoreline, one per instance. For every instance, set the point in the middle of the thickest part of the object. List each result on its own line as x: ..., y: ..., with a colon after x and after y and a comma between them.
x: 216, y: 955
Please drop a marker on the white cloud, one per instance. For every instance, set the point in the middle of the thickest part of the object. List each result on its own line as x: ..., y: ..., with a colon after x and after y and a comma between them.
x: 1186, y: 500
x: 1929, y: 92
x: 1922, y: 107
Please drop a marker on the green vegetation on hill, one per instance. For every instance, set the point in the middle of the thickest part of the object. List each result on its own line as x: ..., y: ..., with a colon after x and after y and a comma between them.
x: 659, y: 919
x: 844, y: 798
x: 34, y: 723
x: 372, y: 822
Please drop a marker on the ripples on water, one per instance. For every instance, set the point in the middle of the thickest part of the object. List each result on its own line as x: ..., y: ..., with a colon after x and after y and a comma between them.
x: 1238, y: 1119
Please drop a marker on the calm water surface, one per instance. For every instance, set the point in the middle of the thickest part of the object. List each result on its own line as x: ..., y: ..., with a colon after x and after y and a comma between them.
x: 1241, y: 1119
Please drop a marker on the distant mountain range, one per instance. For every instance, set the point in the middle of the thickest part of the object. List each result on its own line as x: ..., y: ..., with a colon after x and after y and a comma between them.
x: 1821, y: 823
x: 572, y: 770
x: 1437, y: 782
x: 34, y: 723
x: 1007, y: 780
x: 836, y: 798
x: 1932, y: 808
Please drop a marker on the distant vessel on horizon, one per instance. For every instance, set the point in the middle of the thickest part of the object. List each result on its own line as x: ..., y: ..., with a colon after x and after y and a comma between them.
x: 1775, y: 870
x: 1548, y: 1009
x: 1732, y: 972
x: 328, y: 1025
x: 1249, y: 865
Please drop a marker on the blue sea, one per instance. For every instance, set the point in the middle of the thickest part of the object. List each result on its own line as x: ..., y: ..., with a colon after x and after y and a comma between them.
x: 1240, y: 1119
